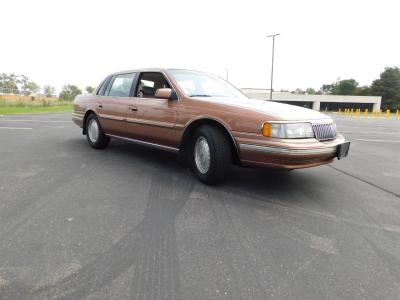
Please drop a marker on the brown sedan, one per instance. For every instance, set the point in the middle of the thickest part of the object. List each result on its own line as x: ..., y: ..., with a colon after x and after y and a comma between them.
x: 210, y: 123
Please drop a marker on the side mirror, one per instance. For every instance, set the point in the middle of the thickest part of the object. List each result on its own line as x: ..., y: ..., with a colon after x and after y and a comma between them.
x: 164, y: 93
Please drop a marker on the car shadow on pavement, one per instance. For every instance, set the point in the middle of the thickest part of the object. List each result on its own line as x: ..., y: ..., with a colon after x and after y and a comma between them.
x: 262, y: 182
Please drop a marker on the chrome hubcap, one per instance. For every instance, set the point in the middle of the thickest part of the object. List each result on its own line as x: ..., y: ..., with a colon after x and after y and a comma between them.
x: 93, y: 130
x: 202, y: 155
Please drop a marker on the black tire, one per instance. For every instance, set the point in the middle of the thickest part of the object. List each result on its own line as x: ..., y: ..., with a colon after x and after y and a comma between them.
x: 102, y: 140
x: 220, y: 156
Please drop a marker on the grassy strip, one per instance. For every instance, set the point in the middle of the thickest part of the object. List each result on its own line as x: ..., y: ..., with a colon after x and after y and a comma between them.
x: 7, y: 110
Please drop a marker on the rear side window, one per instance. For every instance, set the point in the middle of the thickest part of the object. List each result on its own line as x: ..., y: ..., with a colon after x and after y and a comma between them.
x: 121, y: 85
x: 101, y: 91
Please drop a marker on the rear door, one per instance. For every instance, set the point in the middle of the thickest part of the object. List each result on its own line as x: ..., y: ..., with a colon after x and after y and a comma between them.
x: 114, y: 103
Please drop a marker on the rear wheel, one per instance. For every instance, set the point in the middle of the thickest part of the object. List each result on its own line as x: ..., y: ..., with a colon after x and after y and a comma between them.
x: 211, y: 155
x: 95, y: 134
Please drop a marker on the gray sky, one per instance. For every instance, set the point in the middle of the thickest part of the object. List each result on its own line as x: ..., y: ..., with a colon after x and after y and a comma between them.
x: 80, y: 42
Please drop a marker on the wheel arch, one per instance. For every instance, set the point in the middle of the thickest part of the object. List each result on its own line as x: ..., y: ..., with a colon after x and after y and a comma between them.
x: 191, y: 128
x: 88, y: 112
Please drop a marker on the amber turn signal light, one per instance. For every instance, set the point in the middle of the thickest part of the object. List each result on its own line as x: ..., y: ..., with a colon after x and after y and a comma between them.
x: 266, y: 129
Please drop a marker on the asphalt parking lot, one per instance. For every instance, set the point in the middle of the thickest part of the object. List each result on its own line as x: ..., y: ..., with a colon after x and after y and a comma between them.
x: 130, y: 222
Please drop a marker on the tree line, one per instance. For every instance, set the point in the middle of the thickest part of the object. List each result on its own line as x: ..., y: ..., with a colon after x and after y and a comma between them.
x: 21, y: 84
x: 387, y: 86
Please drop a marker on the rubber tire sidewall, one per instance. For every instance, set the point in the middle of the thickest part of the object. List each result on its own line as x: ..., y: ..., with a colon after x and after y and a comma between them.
x: 102, y: 140
x: 220, y: 155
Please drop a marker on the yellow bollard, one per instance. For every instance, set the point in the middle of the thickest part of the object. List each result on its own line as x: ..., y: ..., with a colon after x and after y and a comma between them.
x: 351, y: 112
x: 387, y: 113
x: 339, y: 111
x: 397, y: 113
x: 366, y: 112
x: 380, y: 113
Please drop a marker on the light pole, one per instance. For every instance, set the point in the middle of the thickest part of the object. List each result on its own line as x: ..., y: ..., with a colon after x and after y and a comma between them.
x: 227, y: 74
x: 272, y: 64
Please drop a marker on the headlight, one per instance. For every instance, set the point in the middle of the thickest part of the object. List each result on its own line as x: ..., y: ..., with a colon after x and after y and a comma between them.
x: 288, y: 130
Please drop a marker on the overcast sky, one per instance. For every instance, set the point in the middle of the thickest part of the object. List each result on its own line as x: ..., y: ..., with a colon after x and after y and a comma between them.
x: 80, y: 42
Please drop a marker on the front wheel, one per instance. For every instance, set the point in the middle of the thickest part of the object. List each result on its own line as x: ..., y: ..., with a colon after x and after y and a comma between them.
x: 94, y: 133
x: 211, y: 155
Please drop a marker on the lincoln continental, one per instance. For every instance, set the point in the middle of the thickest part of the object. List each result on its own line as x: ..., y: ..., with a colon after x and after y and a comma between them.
x: 207, y: 121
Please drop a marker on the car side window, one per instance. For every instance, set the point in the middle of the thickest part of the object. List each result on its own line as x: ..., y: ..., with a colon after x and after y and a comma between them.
x: 101, y: 91
x: 148, y: 84
x: 121, y: 85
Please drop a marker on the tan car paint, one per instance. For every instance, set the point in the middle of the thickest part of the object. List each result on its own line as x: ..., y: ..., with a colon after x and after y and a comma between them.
x: 163, y: 122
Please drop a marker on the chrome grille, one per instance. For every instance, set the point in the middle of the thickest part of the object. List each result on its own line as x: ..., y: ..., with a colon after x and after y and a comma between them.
x: 324, y: 132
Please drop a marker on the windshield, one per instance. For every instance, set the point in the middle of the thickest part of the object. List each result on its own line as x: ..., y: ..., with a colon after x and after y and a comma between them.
x: 197, y: 84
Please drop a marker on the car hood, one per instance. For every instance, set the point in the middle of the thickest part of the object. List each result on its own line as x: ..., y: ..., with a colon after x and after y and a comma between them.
x: 274, y: 110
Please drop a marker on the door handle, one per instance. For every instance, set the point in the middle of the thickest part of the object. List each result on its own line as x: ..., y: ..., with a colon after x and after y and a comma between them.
x: 132, y: 108
x: 100, y: 105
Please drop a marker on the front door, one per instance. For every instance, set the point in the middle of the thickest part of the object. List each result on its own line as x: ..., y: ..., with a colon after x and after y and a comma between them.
x: 151, y: 119
x: 114, y: 104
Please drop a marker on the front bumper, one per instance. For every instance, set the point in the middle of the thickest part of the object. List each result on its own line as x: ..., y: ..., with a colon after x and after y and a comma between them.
x: 288, y: 153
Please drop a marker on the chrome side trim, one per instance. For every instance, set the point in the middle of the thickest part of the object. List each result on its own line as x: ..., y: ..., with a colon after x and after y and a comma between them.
x: 139, y: 142
x: 151, y: 123
x: 78, y: 116
x: 111, y: 117
x: 287, y: 151
x: 179, y: 126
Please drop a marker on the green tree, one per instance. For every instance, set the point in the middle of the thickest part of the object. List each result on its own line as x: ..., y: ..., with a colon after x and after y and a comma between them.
x: 388, y: 86
x: 364, y: 91
x: 311, y: 91
x: 48, y: 90
x: 89, y: 89
x: 345, y: 87
x: 23, y: 81
x: 9, y: 83
x: 326, y: 88
x: 31, y: 87
x: 69, y: 92
x: 298, y: 91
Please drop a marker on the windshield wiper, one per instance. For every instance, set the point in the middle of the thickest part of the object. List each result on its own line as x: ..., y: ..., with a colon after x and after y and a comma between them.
x: 200, y: 95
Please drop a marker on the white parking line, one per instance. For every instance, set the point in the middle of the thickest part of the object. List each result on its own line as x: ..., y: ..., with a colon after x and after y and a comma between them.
x: 35, y: 121
x: 378, y: 141
x: 368, y: 132
x: 22, y: 128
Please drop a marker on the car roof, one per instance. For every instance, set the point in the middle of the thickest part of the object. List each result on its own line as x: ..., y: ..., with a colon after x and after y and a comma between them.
x: 150, y: 70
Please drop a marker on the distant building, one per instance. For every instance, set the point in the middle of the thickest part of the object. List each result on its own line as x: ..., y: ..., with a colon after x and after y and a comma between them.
x: 317, y: 102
